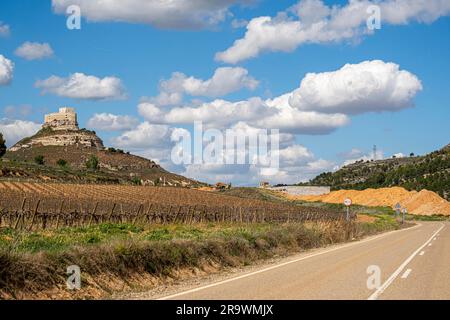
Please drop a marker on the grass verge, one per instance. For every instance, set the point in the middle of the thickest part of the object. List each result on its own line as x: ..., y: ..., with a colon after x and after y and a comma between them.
x: 34, y: 263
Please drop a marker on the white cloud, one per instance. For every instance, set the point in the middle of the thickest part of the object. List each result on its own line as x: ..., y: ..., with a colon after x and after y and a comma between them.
x: 155, y: 142
x: 398, y: 155
x: 112, y: 122
x: 311, y: 21
x: 144, y: 136
x: 4, y: 30
x: 321, y: 104
x: 248, y: 175
x: 224, y: 81
x: 6, y: 70
x: 174, y: 14
x: 222, y: 114
x: 295, y: 155
x: 81, y: 86
x: 15, y: 130
x: 357, y: 88
x: 34, y: 51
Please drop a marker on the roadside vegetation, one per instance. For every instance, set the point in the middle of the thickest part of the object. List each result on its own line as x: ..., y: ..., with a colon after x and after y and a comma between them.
x: 429, y: 172
x: 33, y: 263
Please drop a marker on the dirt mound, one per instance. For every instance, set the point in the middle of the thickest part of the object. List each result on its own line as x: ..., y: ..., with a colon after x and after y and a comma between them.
x: 423, y: 203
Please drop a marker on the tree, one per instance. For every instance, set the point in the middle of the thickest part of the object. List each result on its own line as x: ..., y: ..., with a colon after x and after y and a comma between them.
x: 92, y: 163
x: 2, y: 145
x: 411, y: 154
x: 39, y: 159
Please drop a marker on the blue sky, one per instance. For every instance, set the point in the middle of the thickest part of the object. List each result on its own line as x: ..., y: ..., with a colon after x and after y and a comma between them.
x: 140, y: 52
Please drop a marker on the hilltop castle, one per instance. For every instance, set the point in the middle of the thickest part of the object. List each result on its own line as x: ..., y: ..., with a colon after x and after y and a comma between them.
x: 61, y: 129
x: 65, y: 119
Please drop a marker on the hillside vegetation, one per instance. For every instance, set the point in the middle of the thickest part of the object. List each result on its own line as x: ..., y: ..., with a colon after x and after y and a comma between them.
x: 431, y: 172
x: 81, y: 158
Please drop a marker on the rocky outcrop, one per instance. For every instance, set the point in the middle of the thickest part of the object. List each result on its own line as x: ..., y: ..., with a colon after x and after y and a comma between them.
x: 62, y: 138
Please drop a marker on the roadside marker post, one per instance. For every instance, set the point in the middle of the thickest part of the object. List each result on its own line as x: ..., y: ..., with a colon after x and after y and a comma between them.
x: 348, y: 203
x: 397, y: 207
x: 404, y: 212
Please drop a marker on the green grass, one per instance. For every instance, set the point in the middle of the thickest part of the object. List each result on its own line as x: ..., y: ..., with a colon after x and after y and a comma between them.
x: 434, y: 217
x: 31, y: 262
x: 64, y: 239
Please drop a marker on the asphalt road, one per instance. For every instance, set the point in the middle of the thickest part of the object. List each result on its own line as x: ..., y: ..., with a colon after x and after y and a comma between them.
x: 412, y: 263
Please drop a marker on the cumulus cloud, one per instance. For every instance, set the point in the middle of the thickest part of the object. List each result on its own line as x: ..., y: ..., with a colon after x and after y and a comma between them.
x: 112, y: 122
x: 251, y: 175
x: 312, y: 21
x: 145, y: 135
x: 257, y: 112
x: 15, y: 130
x: 6, y: 70
x: 158, y: 142
x: 321, y: 104
x: 224, y: 81
x: 34, y: 51
x: 81, y: 86
x: 357, y: 88
x: 176, y: 14
x: 4, y: 30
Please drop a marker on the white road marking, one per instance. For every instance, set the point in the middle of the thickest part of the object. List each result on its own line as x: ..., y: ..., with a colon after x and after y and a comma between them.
x: 391, y: 279
x: 422, y: 253
x: 406, y: 274
x: 285, y: 264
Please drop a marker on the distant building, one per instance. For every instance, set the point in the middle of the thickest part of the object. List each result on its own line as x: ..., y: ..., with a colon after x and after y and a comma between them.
x: 65, y: 119
x: 264, y: 184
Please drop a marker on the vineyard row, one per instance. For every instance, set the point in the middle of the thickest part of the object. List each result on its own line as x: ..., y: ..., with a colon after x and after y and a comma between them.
x: 41, y: 213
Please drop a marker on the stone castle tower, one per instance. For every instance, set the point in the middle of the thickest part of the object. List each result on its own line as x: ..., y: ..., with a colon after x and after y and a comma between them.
x: 65, y: 132
x: 65, y: 119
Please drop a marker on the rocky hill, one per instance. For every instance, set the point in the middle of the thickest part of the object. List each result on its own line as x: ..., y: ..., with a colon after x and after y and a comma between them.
x: 61, y: 151
x: 431, y: 172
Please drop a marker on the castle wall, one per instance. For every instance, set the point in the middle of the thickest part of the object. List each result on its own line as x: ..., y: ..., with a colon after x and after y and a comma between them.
x: 65, y: 119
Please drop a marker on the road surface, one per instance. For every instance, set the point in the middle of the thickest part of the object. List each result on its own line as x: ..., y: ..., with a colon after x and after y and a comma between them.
x: 413, y: 263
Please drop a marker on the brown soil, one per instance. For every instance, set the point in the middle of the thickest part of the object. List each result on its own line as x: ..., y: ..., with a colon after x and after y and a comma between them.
x: 421, y: 203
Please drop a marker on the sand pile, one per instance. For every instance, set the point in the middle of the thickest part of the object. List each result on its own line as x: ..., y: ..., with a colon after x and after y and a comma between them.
x: 424, y: 202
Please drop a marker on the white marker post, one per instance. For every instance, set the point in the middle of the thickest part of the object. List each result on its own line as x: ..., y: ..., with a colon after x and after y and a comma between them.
x: 404, y: 211
x: 348, y: 203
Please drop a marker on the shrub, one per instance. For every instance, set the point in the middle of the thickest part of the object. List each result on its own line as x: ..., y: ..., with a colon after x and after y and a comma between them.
x: 136, y: 181
x: 92, y: 163
x: 39, y: 159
